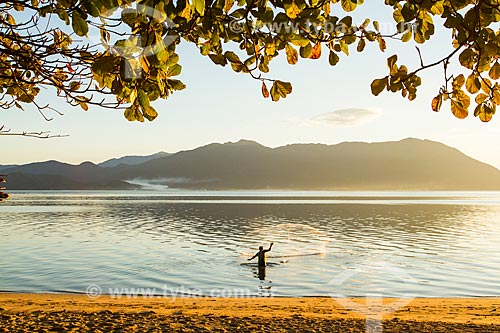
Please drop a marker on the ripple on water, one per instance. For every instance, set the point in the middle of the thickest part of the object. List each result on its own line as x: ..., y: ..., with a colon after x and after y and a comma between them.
x: 67, y: 242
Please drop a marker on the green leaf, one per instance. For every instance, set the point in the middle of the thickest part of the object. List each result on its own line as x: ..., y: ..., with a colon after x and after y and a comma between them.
x: 74, y: 85
x: 350, y: 5
x: 132, y: 96
x: 379, y: 85
x: 143, y: 99
x: 298, y: 40
x: 306, y: 51
x: 232, y: 57
x: 238, y: 67
x: 104, y: 65
x: 130, y: 17
x: 92, y: 8
x: 174, y: 70
x: 333, y: 58
x: 218, y: 59
x: 133, y: 114
x: 80, y: 26
x: 343, y: 47
x: 172, y: 59
x: 149, y: 113
x: 467, y: 58
x: 176, y: 84
x: 199, y: 6
x: 280, y: 89
x: 406, y: 37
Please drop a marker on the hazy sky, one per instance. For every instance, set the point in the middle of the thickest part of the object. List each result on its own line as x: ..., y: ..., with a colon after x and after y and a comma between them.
x: 328, y: 105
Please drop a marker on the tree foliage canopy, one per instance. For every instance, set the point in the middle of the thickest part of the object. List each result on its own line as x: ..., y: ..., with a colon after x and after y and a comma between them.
x: 47, y: 43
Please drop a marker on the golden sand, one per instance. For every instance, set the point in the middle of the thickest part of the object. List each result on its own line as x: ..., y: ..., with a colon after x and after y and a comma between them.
x: 80, y: 313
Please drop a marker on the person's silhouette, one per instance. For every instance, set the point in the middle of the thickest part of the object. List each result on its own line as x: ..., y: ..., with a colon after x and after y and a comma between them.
x: 262, y: 256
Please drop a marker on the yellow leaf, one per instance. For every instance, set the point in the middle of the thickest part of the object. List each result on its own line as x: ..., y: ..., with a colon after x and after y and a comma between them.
x: 495, y: 71
x: 437, y: 102
x: 316, y: 51
x: 378, y: 85
x: 270, y: 47
x: 458, y: 110
x: 291, y: 9
x: 496, y: 96
x: 473, y: 85
x: 481, y: 98
x: 458, y: 81
x: 280, y: 89
x: 84, y: 106
x: 381, y: 44
x: 292, y: 56
x: 265, y: 92
x: 228, y: 5
x: 484, y: 112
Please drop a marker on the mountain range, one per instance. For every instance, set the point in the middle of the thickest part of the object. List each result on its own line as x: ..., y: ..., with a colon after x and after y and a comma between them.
x: 409, y: 164
x: 131, y: 160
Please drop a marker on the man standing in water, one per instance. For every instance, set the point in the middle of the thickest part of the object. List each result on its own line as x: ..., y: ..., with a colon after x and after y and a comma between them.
x: 262, y: 256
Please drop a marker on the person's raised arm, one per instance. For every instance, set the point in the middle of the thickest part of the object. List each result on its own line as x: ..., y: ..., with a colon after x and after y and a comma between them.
x: 269, y: 249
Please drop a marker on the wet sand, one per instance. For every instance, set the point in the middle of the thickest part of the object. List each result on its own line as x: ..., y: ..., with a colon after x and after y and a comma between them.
x: 80, y: 313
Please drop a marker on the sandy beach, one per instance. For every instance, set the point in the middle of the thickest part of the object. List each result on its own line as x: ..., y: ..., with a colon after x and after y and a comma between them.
x: 80, y: 313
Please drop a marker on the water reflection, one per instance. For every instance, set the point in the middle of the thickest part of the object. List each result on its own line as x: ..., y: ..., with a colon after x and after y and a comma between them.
x: 448, y: 250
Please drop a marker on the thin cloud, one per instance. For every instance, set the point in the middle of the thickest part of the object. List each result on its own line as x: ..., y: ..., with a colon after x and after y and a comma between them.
x: 344, y: 117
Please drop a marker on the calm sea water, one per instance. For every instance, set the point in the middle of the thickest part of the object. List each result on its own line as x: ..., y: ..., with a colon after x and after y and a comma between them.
x: 431, y: 244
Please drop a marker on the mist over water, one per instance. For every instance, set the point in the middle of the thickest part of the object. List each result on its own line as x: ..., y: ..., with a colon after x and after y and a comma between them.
x: 325, y: 243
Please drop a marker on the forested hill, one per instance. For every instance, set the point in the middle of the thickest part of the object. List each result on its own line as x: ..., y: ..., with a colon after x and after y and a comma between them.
x: 409, y: 164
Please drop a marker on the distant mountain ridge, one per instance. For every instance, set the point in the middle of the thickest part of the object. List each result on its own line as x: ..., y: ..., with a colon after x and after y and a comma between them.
x: 409, y: 164
x: 132, y: 159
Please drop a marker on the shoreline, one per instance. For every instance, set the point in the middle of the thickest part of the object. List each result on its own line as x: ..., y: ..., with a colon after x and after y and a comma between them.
x: 66, y: 312
x: 193, y: 296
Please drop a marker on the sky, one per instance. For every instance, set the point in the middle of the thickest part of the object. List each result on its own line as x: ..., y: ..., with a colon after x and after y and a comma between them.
x: 328, y: 105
